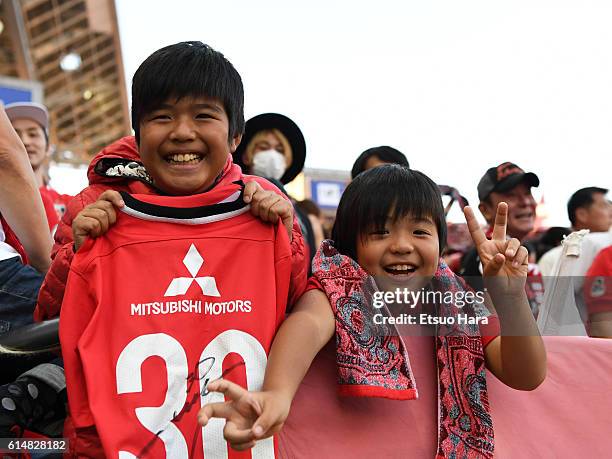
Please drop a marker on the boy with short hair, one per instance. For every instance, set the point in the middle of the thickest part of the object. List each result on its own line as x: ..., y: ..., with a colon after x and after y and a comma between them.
x: 141, y: 164
x: 187, y: 116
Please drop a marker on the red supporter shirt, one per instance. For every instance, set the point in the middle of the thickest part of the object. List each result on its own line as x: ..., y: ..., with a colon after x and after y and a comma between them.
x: 420, y: 416
x: 50, y: 213
x: 598, y: 283
x: 58, y: 201
x: 178, y: 293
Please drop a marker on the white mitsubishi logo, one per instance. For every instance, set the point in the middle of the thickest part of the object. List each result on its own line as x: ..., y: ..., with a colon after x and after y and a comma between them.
x: 193, y: 261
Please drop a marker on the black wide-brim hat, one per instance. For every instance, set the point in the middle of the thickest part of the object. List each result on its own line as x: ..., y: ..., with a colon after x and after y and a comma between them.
x: 289, y: 129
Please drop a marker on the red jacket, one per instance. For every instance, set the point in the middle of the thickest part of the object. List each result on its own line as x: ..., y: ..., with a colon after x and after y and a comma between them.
x: 121, y: 152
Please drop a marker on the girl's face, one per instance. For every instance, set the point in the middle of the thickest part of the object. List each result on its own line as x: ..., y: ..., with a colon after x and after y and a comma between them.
x: 404, y: 252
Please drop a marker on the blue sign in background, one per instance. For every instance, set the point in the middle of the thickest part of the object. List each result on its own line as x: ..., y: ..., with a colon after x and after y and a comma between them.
x: 16, y: 90
x: 10, y: 95
x: 327, y: 193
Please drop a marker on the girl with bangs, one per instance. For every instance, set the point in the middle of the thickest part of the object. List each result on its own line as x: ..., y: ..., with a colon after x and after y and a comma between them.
x: 389, y: 232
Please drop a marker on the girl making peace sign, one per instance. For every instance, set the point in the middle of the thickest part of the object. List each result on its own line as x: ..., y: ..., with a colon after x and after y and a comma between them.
x: 389, y: 232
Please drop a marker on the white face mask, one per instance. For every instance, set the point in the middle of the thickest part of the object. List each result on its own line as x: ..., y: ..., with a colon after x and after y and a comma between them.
x: 269, y: 163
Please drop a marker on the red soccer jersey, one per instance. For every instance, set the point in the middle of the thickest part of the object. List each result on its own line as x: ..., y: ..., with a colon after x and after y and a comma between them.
x: 598, y: 283
x: 178, y: 293
x: 58, y: 201
x: 51, y: 214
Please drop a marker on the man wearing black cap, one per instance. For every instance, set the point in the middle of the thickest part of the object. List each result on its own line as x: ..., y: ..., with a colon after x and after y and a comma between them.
x: 511, y: 184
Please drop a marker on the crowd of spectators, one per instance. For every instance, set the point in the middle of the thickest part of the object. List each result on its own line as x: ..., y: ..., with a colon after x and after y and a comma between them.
x: 268, y: 146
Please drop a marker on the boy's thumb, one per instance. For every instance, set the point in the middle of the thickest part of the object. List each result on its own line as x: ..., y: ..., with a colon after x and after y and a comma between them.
x: 262, y: 425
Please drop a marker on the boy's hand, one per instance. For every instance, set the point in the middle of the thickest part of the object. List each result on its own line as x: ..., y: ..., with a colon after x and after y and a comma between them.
x: 250, y: 416
x: 269, y: 206
x: 95, y: 219
x: 504, y: 258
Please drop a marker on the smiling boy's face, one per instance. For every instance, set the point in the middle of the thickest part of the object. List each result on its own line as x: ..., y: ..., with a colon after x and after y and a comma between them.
x: 184, y: 144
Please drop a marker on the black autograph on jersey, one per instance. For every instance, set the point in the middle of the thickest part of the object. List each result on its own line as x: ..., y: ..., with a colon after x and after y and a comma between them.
x: 192, y: 377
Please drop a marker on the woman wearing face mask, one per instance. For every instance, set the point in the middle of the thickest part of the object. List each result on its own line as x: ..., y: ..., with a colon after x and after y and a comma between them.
x: 273, y: 147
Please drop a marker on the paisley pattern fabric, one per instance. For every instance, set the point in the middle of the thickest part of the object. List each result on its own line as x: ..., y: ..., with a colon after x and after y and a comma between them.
x: 373, y: 361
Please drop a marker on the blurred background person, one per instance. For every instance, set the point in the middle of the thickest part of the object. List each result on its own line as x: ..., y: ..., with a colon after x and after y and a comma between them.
x: 310, y: 208
x: 31, y: 122
x: 597, y: 293
x: 549, y: 240
x: 588, y: 208
x: 25, y: 242
x: 273, y: 147
x: 511, y: 184
x: 376, y: 156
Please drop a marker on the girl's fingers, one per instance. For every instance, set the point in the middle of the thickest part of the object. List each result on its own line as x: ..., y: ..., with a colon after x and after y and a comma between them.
x: 236, y: 436
x: 501, y: 221
x: 512, y: 248
x: 493, y: 266
x: 521, y: 257
x: 478, y: 235
x: 215, y: 410
x: 242, y: 446
x: 231, y: 390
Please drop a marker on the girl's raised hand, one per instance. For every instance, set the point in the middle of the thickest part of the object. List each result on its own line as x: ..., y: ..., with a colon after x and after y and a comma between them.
x: 500, y: 257
x: 250, y: 416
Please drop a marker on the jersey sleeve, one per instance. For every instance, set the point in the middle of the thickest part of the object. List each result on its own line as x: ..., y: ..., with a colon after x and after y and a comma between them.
x: 52, y: 290
x: 299, y: 252
x: 313, y: 284
x: 489, y: 331
x: 283, y: 270
x: 77, y: 310
x: 299, y: 264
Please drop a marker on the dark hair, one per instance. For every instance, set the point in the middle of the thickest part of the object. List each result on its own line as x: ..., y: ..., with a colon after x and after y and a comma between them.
x: 550, y: 239
x: 580, y: 199
x: 189, y: 68
x: 374, y: 194
x: 384, y: 153
x: 309, y: 207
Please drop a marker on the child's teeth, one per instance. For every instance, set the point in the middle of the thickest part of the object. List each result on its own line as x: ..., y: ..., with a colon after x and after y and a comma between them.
x: 179, y: 157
